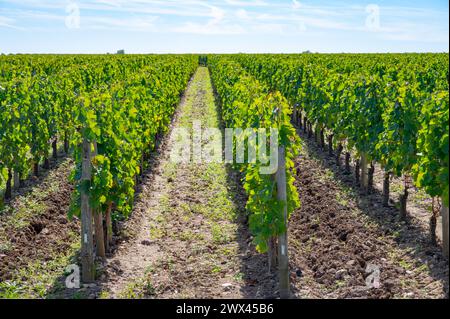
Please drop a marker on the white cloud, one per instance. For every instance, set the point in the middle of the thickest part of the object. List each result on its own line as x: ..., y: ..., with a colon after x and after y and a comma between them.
x: 6, y: 22
x: 271, y: 28
x: 134, y: 24
x: 195, y: 28
x: 216, y: 25
x: 242, y: 14
x: 113, y: 3
x: 250, y: 3
x: 415, y: 37
x: 217, y: 15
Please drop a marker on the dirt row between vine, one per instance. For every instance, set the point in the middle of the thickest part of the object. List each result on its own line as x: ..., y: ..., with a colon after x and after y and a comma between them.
x: 338, y: 233
x: 187, y: 237
x: 36, y: 238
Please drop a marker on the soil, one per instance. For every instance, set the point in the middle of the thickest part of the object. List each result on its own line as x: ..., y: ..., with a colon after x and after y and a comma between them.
x: 419, y: 204
x: 34, y: 226
x: 339, y: 232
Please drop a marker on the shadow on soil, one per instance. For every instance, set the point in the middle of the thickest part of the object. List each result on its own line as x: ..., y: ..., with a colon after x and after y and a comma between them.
x: 408, y: 234
x: 32, y: 182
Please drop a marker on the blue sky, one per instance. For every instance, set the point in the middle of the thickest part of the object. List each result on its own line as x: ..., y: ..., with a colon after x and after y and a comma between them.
x: 219, y: 26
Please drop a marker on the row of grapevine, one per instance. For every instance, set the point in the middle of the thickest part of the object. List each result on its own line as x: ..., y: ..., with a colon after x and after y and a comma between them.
x: 123, y: 118
x: 38, y: 102
x: 247, y: 104
x: 111, y: 107
x: 118, y: 123
x: 390, y: 109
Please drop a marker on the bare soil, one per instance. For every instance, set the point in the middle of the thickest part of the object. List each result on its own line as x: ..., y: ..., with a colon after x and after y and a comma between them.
x: 34, y: 227
x: 339, y: 232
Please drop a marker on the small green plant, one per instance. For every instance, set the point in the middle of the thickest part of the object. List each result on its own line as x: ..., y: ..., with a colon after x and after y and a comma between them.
x: 138, y: 289
x: 405, y: 264
x: 156, y: 232
x: 219, y: 235
x: 104, y: 295
x: 239, y: 277
x: 11, y: 290
x: 216, y: 269
x: 79, y: 295
x: 341, y: 200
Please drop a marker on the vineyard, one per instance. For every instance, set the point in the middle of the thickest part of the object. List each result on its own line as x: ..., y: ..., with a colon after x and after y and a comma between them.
x: 357, y: 206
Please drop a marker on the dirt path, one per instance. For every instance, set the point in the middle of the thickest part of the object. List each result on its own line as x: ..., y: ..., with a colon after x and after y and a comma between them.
x: 338, y: 232
x: 189, y: 238
x: 37, y: 240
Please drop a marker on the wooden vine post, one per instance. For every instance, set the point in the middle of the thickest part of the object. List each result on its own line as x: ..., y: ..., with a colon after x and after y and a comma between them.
x: 16, y: 179
x: 8, y: 191
x: 87, y: 245
x: 347, y: 163
x: 283, y: 259
x: 299, y: 117
x: 272, y: 245
x: 294, y: 115
x: 364, y: 175
x: 109, y: 229
x: 404, y: 197
x: 433, y: 220
x: 445, y: 225
x: 386, y: 188
x: 98, y: 224
x: 66, y: 142
x: 55, y: 148
x: 272, y: 253
x: 16, y: 176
